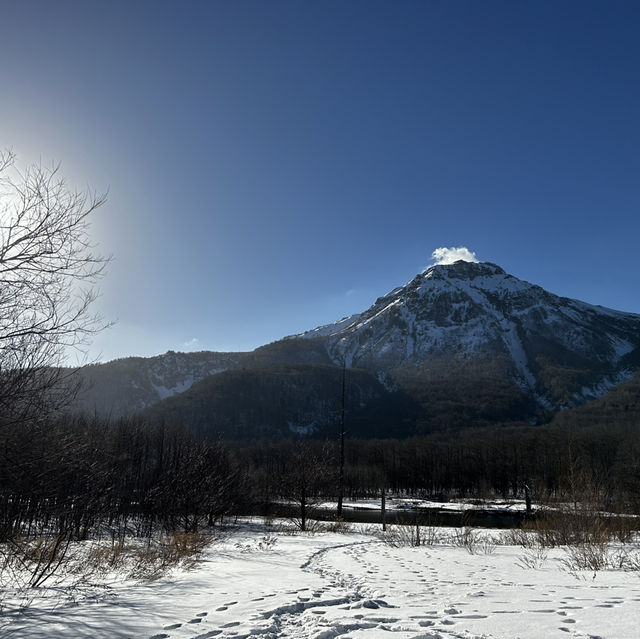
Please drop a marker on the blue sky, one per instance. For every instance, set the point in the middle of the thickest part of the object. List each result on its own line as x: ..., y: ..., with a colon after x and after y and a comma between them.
x: 273, y: 166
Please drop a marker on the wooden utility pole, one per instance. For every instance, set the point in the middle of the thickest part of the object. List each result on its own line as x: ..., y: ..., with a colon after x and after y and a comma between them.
x: 341, y: 476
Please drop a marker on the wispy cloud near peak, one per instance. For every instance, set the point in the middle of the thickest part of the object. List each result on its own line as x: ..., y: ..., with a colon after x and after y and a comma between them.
x: 450, y: 255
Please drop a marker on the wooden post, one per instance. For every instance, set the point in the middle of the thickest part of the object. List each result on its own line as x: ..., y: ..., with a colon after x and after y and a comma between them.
x: 527, y: 500
x: 384, y: 510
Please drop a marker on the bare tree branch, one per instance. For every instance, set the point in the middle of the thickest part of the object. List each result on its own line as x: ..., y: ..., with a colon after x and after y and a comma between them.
x: 48, y: 273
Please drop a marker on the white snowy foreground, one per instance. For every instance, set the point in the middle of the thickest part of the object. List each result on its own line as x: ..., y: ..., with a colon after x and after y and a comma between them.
x: 354, y: 586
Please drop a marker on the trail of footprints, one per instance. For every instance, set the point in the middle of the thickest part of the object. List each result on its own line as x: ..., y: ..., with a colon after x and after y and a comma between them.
x: 307, y: 616
x: 198, y: 619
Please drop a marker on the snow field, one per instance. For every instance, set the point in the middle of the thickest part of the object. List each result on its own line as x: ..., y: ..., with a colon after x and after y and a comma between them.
x: 352, y: 586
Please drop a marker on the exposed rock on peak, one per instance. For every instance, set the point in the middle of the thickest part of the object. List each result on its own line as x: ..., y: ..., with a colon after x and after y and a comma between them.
x: 463, y: 270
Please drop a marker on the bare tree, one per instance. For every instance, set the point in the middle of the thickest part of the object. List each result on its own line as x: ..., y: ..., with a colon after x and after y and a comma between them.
x: 307, y: 478
x: 47, y: 275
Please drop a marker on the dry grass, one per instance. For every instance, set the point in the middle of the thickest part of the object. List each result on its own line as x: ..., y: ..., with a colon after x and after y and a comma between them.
x: 149, y: 559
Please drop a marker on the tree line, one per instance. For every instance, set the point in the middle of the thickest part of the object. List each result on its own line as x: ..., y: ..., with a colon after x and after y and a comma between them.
x: 596, y: 464
x: 75, y: 477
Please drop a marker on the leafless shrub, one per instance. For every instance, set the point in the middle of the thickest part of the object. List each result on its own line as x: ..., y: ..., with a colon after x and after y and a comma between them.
x: 37, y: 566
x: 265, y: 543
x: 339, y: 526
x: 412, y: 535
x: 312, y: 526
x: 533, y: 557
x: 560, y: 527
x: 37, y: 559
x: 474, y: 541
x: 594, y: 557
x: 399, y: 536
x: 518, y: 537
x: 589, y: 538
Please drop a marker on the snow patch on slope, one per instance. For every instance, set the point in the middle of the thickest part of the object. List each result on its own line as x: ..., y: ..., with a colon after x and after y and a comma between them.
x: 328, y: 329
x: 180, y: 387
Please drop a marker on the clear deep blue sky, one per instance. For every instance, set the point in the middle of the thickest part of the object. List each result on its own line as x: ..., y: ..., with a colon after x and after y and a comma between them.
x: 273, y: 166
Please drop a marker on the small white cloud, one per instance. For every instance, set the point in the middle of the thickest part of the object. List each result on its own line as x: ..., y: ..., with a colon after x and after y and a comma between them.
x: 192, y: 345
x: 444, y: 255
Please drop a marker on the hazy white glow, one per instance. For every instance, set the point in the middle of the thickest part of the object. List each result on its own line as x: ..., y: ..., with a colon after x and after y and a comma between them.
x: 192, y: 345
x: 444, y: 255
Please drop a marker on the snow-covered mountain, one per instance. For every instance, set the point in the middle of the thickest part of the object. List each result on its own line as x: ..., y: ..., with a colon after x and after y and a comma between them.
x: 560, y: 350
x: 460, y: 344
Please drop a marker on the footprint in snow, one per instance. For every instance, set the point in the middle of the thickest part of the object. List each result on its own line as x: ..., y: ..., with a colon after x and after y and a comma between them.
x: 540, y: 600
x: 544, y: 610
x: 160, y: 636
x: 196, y: 620
x: 173, y: 626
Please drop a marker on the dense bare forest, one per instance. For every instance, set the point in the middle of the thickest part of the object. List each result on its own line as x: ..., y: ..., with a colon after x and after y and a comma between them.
x: 75, y: 477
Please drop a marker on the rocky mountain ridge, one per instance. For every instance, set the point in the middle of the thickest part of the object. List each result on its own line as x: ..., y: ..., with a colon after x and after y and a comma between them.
x: 463, y: 311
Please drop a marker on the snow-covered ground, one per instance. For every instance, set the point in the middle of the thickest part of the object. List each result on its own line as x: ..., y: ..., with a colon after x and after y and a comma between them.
x: 353, y: 585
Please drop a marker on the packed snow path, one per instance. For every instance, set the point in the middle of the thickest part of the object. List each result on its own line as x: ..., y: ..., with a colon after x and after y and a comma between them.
x: 351, y: 586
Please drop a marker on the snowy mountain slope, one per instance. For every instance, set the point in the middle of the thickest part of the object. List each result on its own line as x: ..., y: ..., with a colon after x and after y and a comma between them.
x: 560, y: 350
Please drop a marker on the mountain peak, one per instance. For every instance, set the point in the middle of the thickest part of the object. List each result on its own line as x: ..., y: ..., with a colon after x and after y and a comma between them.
x: 463, y: 270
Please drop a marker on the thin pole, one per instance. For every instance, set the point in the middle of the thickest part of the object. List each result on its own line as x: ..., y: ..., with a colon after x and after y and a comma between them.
x: 384, y: 510
x: 341, y: 480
